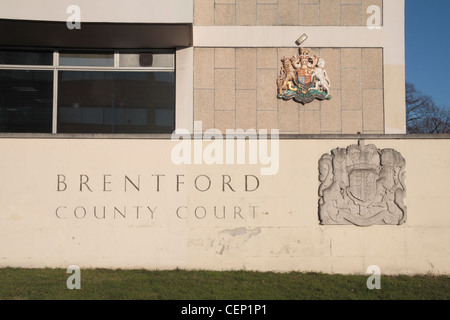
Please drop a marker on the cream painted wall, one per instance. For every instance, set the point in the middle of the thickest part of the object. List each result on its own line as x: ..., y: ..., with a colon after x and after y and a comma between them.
x: 184, y: 89
x: 145, y: 11
x: 273, y: 228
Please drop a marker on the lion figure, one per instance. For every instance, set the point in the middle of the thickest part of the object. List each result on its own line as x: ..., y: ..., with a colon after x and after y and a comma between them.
x: 287, y: 75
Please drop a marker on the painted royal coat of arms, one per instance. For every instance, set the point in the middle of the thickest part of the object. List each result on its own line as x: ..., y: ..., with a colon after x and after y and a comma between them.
x: 303, y: 78
x: 362, y: 185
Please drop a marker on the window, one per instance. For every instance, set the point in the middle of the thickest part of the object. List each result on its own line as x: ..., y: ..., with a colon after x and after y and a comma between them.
x: 72, y: 91
x: 96, y: 59
x: 26, y: 100
x: 31, y: 58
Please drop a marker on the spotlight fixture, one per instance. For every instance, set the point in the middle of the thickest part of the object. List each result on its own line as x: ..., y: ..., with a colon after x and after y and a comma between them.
x: 302, y: 39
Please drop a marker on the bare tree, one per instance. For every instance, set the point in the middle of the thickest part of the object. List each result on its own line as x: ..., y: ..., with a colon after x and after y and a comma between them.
x: 423, y: 115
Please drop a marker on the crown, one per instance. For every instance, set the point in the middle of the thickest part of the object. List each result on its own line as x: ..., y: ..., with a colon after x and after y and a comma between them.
x: 363, y: 157
x: 304, y: 53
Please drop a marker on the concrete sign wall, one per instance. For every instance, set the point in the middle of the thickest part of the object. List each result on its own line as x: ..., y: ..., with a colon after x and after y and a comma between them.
x: 123, y: 203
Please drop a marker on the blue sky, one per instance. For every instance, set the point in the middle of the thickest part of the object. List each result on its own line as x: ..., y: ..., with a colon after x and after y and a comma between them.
x: 428, y: 47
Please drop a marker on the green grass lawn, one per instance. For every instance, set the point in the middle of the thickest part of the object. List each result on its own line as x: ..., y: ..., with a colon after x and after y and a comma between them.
x: 208, y: 285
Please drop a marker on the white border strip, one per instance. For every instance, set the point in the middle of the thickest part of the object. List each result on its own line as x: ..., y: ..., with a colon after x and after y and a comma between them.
x: 184, y: 104
x: 264, y: 36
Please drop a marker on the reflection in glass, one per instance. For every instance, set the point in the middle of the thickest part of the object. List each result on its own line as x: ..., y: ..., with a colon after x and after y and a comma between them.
x: 26, y: 101
x: 146, y: 59
x: 92, y: 59
x: 116, y: 102
x: 30, y: 58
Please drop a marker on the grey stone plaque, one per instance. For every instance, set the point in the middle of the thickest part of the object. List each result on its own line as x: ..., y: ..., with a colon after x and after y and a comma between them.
x: 362, y: 185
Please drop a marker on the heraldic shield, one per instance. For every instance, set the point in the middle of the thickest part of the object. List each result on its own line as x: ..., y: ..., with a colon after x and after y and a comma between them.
x: 303, y: 78
x: 362, y: 185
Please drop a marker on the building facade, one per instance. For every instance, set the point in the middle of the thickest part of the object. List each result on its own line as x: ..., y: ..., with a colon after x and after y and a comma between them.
x: 240, y: 45
x: 114, y: 118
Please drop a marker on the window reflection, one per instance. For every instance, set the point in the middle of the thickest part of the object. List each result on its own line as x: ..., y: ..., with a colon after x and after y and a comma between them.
x: 146, y: 59
x: 97, y: 59
x: 30, y: 58
x: 26, y: 101
x: 116, y: 102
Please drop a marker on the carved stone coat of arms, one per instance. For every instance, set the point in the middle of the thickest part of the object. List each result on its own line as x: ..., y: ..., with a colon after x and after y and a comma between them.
x: 303, y: 78
x: 362, y: 185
